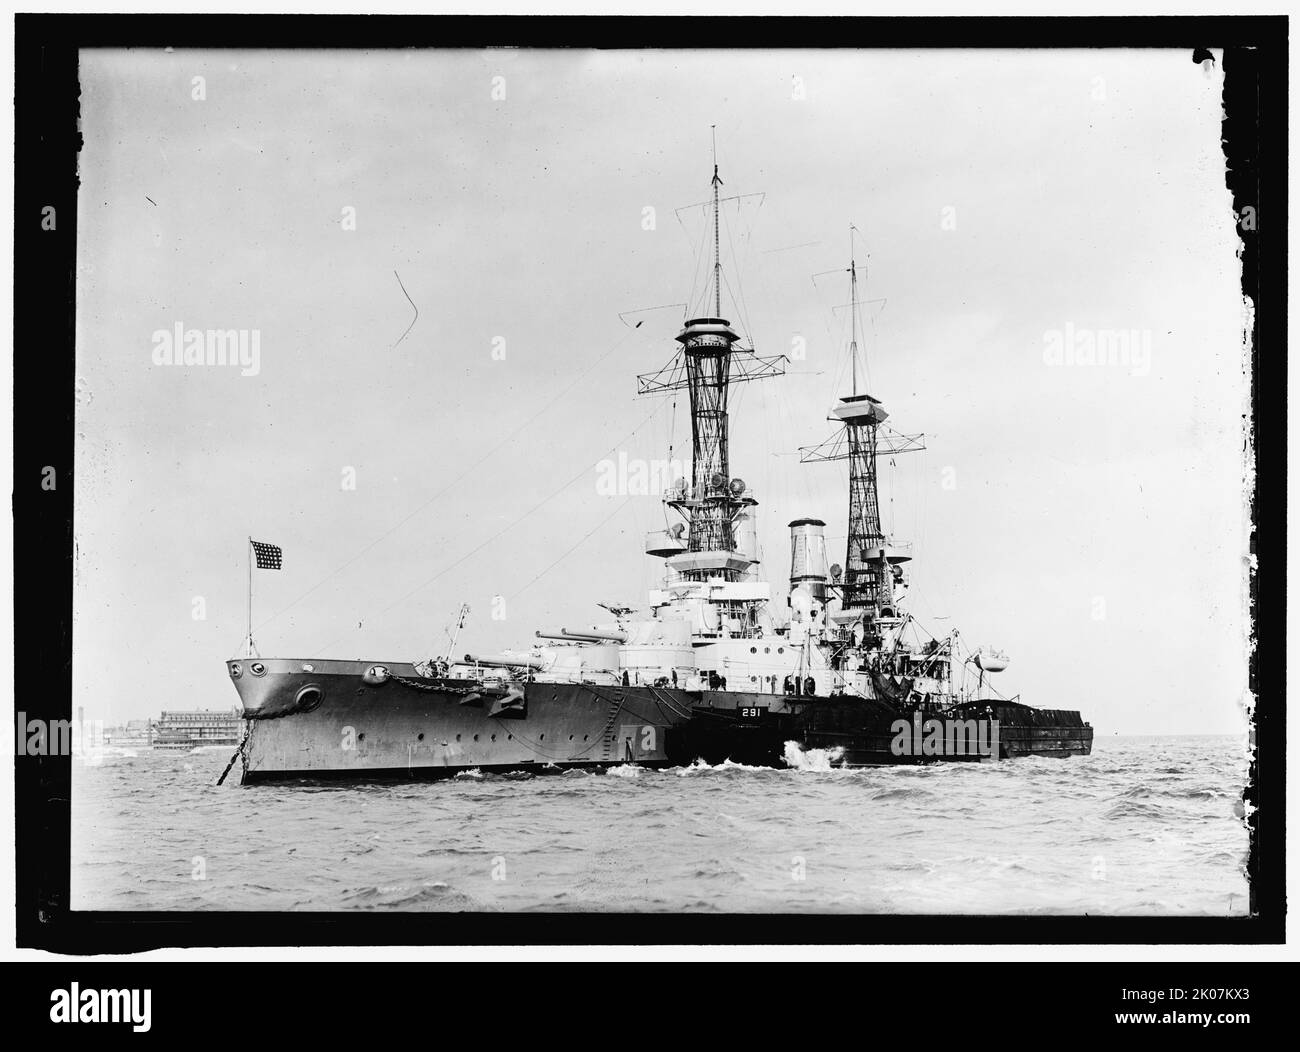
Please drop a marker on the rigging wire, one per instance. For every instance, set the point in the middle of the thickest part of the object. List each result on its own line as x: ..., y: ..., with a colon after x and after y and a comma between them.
x: 893, y: 483
x: 875, y: 343
x: 741, y: 305
x: 623, y: 315
x: 787, y: 417
x: 574, y: 547
x: 464, y: 474
x: 836, y: 340
x: 843, y: 362
x: 698, y: 253
x: 744, y: 320
x: 672, y: 435
x: 505, y: 529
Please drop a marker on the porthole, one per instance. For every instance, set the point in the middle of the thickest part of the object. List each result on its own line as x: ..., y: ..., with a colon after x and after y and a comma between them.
x: 780, y: 650
x: 510, y: 737
x: 257, y: 668
x: 753, y: 650
x: 767, y: 650
x: 236, y: 670
x: 570, y: 737
x: 361, y: 737
x: 458, y: 737
x: 541, y: 737
x: 476, y: 737
x: 420, y: 737
x: 494, y: 737
x: 584, y: 737
x: 308, y: 698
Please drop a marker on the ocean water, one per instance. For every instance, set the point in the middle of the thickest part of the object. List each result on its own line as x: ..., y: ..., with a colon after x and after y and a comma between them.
x: 1143, y: 826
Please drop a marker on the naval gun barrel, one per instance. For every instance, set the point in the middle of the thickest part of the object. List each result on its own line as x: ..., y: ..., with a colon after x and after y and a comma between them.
x: 505, y: 661
x: 585, y: 637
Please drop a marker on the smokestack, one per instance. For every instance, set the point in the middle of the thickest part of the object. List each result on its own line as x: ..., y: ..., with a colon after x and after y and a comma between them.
x: 808, y: 557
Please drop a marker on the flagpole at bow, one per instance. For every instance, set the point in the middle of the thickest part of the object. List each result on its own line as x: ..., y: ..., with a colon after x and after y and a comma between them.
x: 265, y: 556
x: 249, y: 553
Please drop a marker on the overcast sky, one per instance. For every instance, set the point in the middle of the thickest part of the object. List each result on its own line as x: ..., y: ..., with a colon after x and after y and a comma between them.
x: 1088, y: 519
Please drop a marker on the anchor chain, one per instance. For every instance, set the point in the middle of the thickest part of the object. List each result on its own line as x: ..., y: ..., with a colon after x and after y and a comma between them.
x: 416, y: 684
x: 238, y: 752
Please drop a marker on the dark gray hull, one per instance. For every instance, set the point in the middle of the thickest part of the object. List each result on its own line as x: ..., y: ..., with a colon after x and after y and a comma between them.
x: 324, y: 720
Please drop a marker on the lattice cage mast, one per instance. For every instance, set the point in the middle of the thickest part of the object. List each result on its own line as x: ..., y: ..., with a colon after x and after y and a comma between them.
x: 872, y: 564
x: 709, y: 361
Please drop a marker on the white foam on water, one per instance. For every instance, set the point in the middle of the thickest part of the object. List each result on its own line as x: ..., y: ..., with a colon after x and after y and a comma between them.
x: 941, y: 844
x: 731, y: 765
x: 700, y: 767
x: 625, y: 770
x: 473, y: 772
x: 820, y: 760
x: 97, y: 754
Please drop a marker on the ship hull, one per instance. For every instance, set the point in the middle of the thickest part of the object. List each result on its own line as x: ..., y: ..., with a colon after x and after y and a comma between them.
x: 409, y: 727
x: 331, y: 720
x: 863, y: 732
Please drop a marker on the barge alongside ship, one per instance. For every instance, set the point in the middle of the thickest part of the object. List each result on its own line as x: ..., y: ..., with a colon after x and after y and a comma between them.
x: 713, y: 667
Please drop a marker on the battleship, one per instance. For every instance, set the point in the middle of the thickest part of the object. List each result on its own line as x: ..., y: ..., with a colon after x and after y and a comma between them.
x: 713, y: 667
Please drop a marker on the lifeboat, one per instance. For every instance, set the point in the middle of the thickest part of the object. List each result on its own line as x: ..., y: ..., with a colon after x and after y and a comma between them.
x: 991, y: 660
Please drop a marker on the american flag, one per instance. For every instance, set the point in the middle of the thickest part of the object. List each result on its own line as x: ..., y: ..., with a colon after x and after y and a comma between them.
x: 268, y: 555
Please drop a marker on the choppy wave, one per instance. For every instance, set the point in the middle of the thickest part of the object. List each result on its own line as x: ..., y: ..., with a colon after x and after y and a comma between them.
x: 1142, y: 826
x: 428, y: 895
x: 903, y: 793
x: 98, y: 753
x: 820, y: 760
x: 1128, y: 809
x: 725, y: 767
